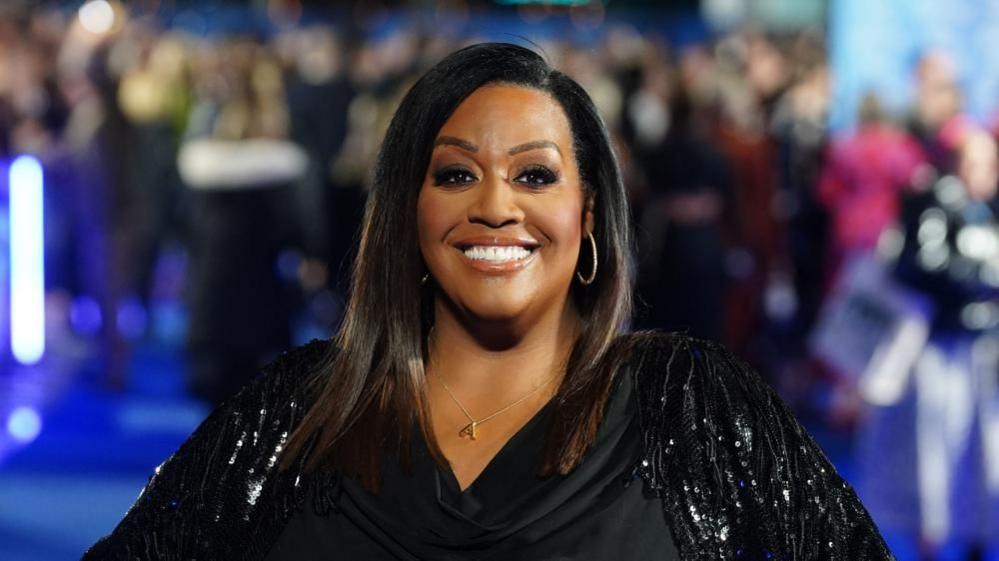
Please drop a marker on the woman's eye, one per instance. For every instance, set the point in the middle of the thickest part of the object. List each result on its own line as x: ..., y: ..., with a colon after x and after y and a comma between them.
x: 454, y: 176
x: 537, y: 176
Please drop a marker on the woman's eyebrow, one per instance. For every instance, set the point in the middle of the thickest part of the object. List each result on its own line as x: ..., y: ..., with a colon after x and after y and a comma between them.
x: 469, y: 147
x: 454, y: 141
x: 534, y: 145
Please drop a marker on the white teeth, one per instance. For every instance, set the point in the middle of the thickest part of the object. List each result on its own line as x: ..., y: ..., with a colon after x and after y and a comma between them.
x: 496, y: 254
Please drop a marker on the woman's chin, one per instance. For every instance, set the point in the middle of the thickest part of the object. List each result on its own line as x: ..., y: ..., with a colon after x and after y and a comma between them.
x: 497, y: 312
x: 497, y: 307
x: 514, y: 300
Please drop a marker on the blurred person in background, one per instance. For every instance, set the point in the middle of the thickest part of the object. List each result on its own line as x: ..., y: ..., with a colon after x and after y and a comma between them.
x: 33, y: 111
x: 947, y: 422
x: 112, y: 208
x: 936, y: 119
x: 799, y: 130
x: 682, y: 279
x: 751, y: 229
x: 641, y: 117
x: 643, y: 70
x: 155, y: 94
x: 319, y: 96
x: 861, y: 182
x: 241, y: 169
x: 379, y: 70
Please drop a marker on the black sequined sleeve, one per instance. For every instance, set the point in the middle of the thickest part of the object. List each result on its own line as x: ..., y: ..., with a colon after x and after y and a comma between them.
x: 741, y: 478
x: 213, y: 497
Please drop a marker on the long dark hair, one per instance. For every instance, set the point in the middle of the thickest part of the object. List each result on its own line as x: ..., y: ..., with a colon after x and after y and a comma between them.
x: 371, y: 390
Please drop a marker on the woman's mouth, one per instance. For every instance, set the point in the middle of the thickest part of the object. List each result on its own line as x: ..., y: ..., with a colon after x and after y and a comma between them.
x: 497, y: 254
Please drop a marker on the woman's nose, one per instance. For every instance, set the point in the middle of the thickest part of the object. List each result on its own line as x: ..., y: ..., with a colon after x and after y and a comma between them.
x: 495, y: 203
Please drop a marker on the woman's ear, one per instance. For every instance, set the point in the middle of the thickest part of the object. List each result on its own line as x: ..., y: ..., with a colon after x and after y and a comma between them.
x: 588, y: 219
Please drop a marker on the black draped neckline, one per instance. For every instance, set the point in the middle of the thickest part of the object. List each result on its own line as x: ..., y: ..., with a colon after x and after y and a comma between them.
x: 421, y: 512
x: 428, y: 513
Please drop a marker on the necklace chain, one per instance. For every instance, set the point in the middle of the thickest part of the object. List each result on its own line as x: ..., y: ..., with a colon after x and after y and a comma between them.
x: 471, y: 429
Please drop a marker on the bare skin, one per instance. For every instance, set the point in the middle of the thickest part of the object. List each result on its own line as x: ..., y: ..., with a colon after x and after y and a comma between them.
x: 502, y: 175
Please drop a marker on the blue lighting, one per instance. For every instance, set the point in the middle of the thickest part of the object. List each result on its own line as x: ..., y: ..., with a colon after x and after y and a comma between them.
x: 85, y: 315
x: 27, y: 261
x: 132, y: 318
x: 24, y: 424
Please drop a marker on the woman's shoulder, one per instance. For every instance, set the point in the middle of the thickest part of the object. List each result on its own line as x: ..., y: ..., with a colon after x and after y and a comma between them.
x: 305, y: 355
x: 223, y: 479
x: 658, y: 355
x: 737, y: 470
x: 301, y: 360
x: 659, y: 341
x: 289, y: 374
x: 699, y: 387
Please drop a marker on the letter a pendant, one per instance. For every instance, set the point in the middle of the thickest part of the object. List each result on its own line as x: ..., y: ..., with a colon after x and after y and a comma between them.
x: 469, y: 430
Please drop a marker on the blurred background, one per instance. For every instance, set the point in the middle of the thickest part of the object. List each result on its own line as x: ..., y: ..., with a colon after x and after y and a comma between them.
x: 813, y: 183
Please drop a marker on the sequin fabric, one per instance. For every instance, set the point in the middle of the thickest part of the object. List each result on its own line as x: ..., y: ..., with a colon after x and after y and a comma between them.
x: 220, y: 496
x: 739, y: 476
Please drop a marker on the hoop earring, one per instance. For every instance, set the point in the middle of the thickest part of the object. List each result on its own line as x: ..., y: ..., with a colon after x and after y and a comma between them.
x: 593, y: 274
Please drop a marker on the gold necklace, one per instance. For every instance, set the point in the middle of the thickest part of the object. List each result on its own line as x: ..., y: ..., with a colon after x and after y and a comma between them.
x: 471, y: 429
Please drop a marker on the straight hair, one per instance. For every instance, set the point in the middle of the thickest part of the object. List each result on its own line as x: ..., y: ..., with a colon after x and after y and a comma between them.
x: 369, y: 393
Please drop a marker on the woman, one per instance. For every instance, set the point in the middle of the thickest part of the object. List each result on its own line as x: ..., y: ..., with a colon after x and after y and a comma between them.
x: 482, y: 399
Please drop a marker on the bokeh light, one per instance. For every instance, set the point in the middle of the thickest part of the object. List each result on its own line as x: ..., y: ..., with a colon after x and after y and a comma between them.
x: 24, y: 424
x: 97, y: 16
x: 27, y: 262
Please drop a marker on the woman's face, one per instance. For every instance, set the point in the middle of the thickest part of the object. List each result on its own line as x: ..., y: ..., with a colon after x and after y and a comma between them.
x: 501, y: 209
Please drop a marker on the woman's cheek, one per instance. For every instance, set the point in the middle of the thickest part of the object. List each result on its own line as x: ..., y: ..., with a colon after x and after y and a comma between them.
x: 562, y: 223
x: 431, y: 219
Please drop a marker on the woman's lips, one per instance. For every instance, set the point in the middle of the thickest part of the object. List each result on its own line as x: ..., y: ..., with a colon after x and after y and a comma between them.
x: 497, y: 255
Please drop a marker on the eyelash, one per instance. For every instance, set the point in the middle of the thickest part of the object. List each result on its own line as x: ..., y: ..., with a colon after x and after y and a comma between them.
x: 449, y: 176
x: 547, y: 176
x: 457, y: 176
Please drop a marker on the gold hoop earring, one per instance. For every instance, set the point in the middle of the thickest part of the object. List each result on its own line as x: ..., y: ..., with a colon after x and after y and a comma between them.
x: 593, y: 274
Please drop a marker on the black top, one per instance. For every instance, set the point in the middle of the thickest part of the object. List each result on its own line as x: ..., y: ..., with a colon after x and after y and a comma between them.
x: 736, y: 475
x: 508, y: 512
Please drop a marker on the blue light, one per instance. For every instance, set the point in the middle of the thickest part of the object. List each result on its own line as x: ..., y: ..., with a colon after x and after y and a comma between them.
x: 85, y: 315
x: 24, y: 424
x: 27, y: 261
x: 132, y: 318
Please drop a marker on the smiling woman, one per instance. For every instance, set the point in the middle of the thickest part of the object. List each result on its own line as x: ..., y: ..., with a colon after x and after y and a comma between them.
x: 500, y: 218
x: 483, y: 398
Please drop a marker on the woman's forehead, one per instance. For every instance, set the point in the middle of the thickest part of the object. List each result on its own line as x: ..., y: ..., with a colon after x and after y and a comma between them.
x: 504, y: 116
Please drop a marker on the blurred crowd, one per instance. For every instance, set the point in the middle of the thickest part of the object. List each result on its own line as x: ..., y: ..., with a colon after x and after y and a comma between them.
x: 253, y: 153
x: 864, y: 263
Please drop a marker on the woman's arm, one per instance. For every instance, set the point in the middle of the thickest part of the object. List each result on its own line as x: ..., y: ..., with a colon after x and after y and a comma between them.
x: 741, y: 477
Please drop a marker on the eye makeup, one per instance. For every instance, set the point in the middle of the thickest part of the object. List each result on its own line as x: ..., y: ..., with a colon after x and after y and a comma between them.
x: 537, y: 175
x: 453, y: 175
x: 534, y: 175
